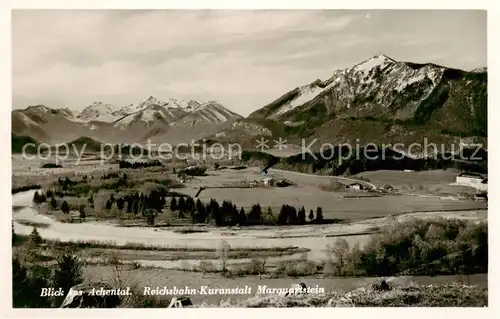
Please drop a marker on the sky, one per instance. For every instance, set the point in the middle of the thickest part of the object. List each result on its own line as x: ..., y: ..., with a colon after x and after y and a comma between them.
x: 244, y: 59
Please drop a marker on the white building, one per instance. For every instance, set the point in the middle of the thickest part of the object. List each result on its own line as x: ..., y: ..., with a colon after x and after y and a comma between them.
x: 473, y: 180
x: 356, y: 186
x: 267, y: 181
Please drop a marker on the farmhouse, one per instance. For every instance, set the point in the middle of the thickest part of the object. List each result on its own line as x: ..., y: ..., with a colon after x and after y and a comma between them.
x: 356, y: 186
x: 74, y: 216
x: 475, y: 180
x: 481, y: 196
x: 268, y: 181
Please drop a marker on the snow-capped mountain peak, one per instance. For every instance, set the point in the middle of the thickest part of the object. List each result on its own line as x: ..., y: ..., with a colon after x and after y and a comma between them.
x: 375, y: 61
x: 38, y: 109
x: 97, y: 111
x: 379, y: 81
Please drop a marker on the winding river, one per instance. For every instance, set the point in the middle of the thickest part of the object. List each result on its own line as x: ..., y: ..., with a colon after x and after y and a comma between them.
x: 316, y: 238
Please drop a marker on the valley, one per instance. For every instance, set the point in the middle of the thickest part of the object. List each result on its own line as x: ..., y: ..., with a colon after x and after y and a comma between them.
x: 272, y: 216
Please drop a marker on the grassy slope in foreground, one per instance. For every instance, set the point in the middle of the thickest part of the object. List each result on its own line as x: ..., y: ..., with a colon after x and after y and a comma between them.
x: 412, y: 295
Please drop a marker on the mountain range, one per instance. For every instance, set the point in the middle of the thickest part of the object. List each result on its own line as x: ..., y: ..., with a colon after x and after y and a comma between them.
x: 157, y: 120
x: 380, y: 100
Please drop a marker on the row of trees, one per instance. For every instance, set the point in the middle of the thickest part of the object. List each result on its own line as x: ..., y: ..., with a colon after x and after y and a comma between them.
x: 227, y: 213
x: 39, y: 198
x: 135, y: 165
x: 415, y: 247
x: 67, y: 183
x: 290, y: 216
x: 138, y: 203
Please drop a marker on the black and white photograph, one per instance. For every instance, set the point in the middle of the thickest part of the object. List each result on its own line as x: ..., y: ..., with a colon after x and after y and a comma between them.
x: 248, y: 158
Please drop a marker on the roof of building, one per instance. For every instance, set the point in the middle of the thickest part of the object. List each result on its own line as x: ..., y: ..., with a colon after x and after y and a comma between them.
x: 355, y: 184
x: 471, y: 175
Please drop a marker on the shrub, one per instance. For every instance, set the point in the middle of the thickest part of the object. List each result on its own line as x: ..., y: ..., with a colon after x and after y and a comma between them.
x: 257, y: 267
x: 65, y: 207
x: 82, y: 211
x: 150, y: 217
x: 417, y: 247
x: 206, y: 266
x: 306, y: 268
x: 53, y: 203
x: 51, y: 165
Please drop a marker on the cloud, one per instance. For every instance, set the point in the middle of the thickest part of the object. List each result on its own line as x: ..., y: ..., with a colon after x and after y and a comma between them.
x: 243, y: 58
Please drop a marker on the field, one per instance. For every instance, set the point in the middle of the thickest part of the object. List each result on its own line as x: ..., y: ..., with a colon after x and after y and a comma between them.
x: 308, y: 193
x: 172, y: 255
x: 149, y: 277
x: 438, y: 182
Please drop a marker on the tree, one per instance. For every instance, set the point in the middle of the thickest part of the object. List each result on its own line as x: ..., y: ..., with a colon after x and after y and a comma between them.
x: 135, y: 208
x: 35, y: 237
x: 36, y: 198
x: 337, y: 255
x: 283, y: 215
x: 65, y: 207
x: 223, y: 252
x: 242, y: 217
x: 301, y: 216
x: 82, y: 211
x: 109, y: 204
x: 163, y: 202
x: 311, y: 215
x: 68, y: 272
x: 319, y: 214
x: 259, y: 266
x: 120, y: 202
x: 181, y: 205
x: 20, y: 284
x: 150, y: 217
x: 255, y: 215
x: 202, y: 212
x: 53, y: 203
x: 39, y: 277
x: 292, y: 215
x: 189, y: 204
x: 173, y: 204
x: 25, y: 281
x: 270, y: 214
x: 14, y: 237
x: 235, y: 216
x: 130, y: 204
x: 206, y: 266
x: 214, y: 212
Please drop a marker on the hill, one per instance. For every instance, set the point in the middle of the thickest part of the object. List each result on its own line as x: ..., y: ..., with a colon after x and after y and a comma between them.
x: 18, y: 141
x: 90, y: 144
x: 411, y: 295
x: 341, y: 160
